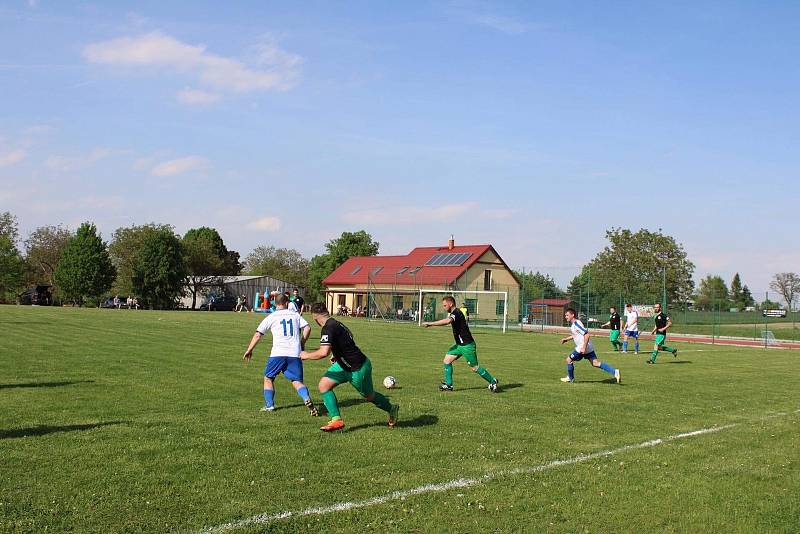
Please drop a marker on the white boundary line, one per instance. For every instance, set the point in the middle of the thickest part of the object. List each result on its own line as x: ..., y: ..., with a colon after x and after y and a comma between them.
x: 262, y: 519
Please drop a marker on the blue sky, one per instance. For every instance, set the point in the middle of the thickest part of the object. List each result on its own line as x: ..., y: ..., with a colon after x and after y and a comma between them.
x: 533, y: 126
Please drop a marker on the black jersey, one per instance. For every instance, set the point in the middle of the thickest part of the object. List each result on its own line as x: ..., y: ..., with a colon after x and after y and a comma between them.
x: 661, y: 322
x: 614, y: 320
x: 461, y: 331
x: 340, y: 339
x: 299, y: 302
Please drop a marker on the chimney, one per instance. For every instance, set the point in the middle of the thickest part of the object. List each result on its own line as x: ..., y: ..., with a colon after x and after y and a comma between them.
x: 452, y: 243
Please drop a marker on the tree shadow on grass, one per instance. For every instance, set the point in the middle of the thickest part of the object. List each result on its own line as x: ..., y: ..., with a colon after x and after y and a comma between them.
x: 500, y: 389
x: 45, y: 384
x: 417, y: 422
x: 42, y: 430
x: 678, y: 361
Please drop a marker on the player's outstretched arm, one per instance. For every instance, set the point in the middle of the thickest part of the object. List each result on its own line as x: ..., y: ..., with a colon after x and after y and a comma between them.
x: 323, y: 352
x: 442, y: 322
x: 669, y: 323
x: 605, y: 324
x: 305, y: 335
x: 253, y: 342
x: 565, y: 339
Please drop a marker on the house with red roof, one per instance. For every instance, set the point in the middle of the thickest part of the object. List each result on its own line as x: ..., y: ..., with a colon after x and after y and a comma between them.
x: 389, y: 286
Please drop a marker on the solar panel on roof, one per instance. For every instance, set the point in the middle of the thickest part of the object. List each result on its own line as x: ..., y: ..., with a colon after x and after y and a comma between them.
x: 448, y: 259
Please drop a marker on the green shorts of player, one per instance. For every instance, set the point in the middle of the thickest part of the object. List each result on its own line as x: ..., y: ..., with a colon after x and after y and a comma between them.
x: 361, y: 379
x: 469, y: 352
x: 614, y: 336
x: 661, y: 339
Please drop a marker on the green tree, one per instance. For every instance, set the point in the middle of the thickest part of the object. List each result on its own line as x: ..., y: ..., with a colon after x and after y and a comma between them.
x: 735, y: 295
x: 281, y: 263
x: 338, y: 250
x: 9, y: 227
x: 12, y: 269
x: 787, y: 285
x: 639, y: 265
x: 159, y: 273
x: 126, y: 243
x: 84, y: 271
x: 43, y: 250
x: 747, y: 297
x: 538, y: 285
x: 712, y: 294
x: 206, y: 258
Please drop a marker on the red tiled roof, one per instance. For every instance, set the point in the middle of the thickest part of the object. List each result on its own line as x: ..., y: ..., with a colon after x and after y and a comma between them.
x: 391, y: 265
x: 551, y: 302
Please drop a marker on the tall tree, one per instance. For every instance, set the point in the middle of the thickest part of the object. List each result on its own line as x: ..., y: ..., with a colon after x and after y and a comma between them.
x: 126, y: 243
x: 9, y: 227
x: 640, y: 265
x: 338, y: 251
x: 12, y: 269
x: 736, y: 291
x: 159, y: 273
x: 712, y: 294
x: 85, y: 272
x: 281, y: 263
x: 206, y: 259
x: 43, y: 250
x: 747, y: 297
x: 787, y: 285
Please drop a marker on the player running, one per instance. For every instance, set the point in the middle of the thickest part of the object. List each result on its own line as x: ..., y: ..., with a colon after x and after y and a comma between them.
x: 663, y: 322
x: 631, y: 328
x: 349, y: 365
x: 583, y: 348
x: 613, y: 323
x: 289, y: 334
x: 465, y: 346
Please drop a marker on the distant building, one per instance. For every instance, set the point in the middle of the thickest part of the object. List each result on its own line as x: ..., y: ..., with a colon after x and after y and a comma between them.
x: 547, y: 311
x: 234, y: 286
x: 388, y: 286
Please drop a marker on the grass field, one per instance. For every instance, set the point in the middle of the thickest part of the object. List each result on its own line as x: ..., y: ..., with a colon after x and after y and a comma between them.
x: 148, y: 421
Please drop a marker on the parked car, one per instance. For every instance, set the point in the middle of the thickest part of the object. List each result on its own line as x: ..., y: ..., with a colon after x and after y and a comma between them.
x: 219, y: 304
x: 36, y: 296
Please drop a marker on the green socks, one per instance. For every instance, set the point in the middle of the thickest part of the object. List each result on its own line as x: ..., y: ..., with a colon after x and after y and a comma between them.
x: 486, y: 375
x: 448, y: 374
x: 381, y: 402
x: 668, y: 349
x: 329, y: 398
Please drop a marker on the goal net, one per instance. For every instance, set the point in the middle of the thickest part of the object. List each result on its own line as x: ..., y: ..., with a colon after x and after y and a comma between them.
x: 484, y: 308
x: 769, y: 338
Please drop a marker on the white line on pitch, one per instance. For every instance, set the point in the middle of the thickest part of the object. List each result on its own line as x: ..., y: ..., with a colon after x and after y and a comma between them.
x: 462, y: 482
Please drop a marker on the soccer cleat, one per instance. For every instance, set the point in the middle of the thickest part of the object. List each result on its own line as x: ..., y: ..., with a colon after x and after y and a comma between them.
x: 393, y: 415
x: 311, y: 408
x: 651, y: 362
x: 567, y: 379
x: 493, y: 386
x: 624, y: 352
x: 267, y: 409
x: 333, y: 424
x: 445, y: 387
x: 617, y: 376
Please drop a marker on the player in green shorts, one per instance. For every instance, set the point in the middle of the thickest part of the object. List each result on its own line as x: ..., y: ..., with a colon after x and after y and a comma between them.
x: 662, y: 323
x: 614, y: 324
x: 465, y: 346
x: 349, y: 365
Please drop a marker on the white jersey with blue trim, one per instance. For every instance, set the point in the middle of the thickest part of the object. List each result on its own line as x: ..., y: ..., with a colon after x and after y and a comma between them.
x: 286, y: 327
x: 632, y: 321
x: 578, y: 331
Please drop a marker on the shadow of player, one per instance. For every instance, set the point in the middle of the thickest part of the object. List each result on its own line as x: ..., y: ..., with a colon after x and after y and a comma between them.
x: 45, y: 384
x: 42, y: 430
x: 417, y: 422
x: 501, y: 389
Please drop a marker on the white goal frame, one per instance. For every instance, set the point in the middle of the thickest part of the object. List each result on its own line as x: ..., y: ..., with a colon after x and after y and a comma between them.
x: 466, y: 292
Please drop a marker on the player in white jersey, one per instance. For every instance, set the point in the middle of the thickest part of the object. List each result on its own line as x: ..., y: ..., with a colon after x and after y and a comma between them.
x: 583, y: 348
x: 631, y: 328
x: 289, y: 334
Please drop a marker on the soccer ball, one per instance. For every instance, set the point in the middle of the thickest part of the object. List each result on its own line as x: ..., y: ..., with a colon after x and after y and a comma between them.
x: 389, y: 382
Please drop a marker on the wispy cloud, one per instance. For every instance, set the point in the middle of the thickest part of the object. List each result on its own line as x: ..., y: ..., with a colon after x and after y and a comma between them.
x: 484, y: 14
x: 264, y: 224
x: 197, y: 97
x: 395, y: 215
x: 11, y: 157
x: 180, y: 166
x: 273, y: 69
x: 74, y: 163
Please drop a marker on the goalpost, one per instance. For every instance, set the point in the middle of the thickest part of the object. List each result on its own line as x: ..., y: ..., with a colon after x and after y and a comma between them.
x: 478, y: 300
